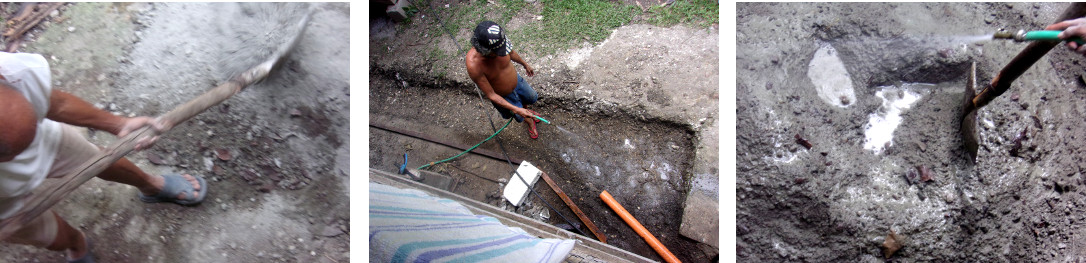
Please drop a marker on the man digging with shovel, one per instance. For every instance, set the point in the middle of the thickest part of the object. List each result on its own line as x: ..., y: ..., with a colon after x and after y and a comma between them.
x: 38, y: 141
x: 489, y: 65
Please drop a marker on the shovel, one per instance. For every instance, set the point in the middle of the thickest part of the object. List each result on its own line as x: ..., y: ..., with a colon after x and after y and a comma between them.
x: 1002, y: 81
x: 45, y: 198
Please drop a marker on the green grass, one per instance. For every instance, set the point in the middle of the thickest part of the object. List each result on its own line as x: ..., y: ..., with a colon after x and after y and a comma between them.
x: 703, y: 13
x: 565, y: 23
x: 512, y: 8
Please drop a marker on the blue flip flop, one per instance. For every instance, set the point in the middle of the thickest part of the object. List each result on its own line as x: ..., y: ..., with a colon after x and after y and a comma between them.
x: 176, y: 184
x: 89, y: 257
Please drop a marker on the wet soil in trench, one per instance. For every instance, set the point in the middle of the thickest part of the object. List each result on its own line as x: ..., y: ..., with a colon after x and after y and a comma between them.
x: 645, y: 165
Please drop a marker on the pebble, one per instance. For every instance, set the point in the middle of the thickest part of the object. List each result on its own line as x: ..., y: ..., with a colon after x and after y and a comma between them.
x: 266, y: 188
x: 71, y: 29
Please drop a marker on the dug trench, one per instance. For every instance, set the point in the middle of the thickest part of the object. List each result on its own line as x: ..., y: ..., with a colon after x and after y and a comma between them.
x: 644, y: 163
x: 840, y: 199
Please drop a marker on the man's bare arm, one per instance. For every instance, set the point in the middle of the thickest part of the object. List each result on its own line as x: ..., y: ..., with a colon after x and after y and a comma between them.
x: 513, y: 55
x: 488, y: 91
x: 67, y: 108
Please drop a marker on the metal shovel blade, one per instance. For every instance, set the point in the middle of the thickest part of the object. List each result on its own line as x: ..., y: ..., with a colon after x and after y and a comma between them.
x: 969, y: 119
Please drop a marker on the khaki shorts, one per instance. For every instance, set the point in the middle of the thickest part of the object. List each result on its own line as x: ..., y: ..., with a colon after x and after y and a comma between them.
x: 73, y: 151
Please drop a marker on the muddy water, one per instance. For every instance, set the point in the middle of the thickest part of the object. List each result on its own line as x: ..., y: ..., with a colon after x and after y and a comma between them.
x: 645, y: 165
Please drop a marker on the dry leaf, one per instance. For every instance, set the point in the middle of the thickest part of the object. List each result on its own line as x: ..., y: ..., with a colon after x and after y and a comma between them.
x: 892, y: 244
x: 156, y: 159
x: 223, y: 154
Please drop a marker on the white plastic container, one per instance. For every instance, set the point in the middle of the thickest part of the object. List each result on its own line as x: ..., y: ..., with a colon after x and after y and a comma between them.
x: 516, y: 191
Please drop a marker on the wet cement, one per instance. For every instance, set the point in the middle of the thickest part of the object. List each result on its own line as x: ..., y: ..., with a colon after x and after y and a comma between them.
x: 838, y: 200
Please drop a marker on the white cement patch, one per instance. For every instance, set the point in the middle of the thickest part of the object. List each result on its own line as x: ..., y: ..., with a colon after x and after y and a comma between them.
x: 830, y: 78
x: 879, y: 130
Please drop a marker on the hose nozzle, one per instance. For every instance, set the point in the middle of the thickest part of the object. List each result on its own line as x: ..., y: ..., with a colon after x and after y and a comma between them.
x: 1037, y: 35
x: 1007, y: 34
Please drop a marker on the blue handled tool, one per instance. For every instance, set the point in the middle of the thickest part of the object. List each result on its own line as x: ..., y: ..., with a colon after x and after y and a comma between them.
x: 407, y: 171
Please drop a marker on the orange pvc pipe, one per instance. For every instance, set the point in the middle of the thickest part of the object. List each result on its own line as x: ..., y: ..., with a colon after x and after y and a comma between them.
x: 644, y: 233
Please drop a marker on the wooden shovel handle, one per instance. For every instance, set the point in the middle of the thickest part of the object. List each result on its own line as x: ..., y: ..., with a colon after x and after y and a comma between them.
x: 40, y: 201
x: 1025, y: 59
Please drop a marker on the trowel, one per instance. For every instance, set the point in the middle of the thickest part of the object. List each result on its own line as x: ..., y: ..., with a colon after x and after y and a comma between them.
x: 1040, y: 43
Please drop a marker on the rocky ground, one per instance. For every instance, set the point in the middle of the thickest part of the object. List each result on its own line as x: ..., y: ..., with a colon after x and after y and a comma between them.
x: 838, y: 76
x: 635, y: 115
x: 275, y: 155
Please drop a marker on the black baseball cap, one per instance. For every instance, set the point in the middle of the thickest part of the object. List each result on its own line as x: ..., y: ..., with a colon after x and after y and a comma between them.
x: 490, y: 37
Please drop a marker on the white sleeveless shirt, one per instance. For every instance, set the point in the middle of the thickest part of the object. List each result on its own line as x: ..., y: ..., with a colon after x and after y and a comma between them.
x: 28, y: 74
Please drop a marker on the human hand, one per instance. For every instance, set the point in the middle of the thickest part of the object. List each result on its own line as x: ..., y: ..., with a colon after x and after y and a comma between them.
x: 130, y: 125
x: 1072, y: 28
x: 529, y: 70
x: 527, y: 114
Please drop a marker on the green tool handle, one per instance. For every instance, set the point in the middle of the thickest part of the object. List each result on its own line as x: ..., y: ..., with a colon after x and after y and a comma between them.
x: 1050, y: 35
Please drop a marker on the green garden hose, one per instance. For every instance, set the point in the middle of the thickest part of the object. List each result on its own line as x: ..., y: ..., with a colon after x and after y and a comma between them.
x: 472, y: 148
x: 1037, y: 35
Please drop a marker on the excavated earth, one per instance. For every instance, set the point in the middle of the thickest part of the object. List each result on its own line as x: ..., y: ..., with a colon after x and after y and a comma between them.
x: 275, y: 155
x: 632, y: 116
x: 876, y: 90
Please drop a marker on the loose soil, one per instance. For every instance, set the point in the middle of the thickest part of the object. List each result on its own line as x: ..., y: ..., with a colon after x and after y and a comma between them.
x: 1022, y: 200
x: 275, y: 155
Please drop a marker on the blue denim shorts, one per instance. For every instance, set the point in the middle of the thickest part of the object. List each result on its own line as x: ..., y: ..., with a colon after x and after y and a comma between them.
x: 522, y: 95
